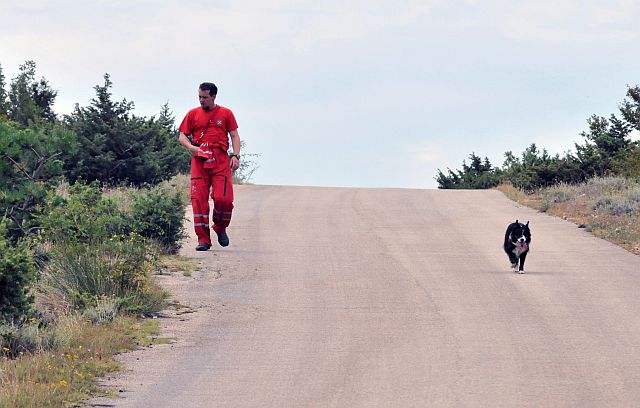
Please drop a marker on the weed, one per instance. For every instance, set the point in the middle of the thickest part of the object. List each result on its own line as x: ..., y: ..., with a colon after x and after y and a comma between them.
x: 118, y: 270
x: 64, y: 375
x: 175, y: 263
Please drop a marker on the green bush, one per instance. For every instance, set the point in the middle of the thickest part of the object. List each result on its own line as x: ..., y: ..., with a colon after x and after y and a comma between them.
x: 100, y: 249
x: 158, y: 213
x: 16, y: 276
x: 83, y: 215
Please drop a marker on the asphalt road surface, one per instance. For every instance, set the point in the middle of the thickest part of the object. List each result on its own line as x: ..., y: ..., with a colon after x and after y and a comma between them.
x: 333, y: 297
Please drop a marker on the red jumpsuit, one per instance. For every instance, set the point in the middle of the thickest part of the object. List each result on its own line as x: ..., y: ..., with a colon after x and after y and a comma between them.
x: 211, y: 169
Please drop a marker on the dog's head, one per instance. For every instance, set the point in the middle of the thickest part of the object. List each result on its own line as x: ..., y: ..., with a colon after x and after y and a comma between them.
x: 520, y: 233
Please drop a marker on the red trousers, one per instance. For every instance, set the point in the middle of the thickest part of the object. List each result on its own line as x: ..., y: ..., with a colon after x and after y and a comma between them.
x: 214, y: 180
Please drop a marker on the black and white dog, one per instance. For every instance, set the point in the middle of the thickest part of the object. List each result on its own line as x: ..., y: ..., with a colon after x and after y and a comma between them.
x: 516, y: 244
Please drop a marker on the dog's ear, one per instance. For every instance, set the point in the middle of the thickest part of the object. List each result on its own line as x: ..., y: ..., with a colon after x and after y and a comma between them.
x: 527, y: 224
x: 516, y: 222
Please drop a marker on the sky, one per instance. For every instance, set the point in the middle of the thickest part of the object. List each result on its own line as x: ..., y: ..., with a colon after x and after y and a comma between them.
x: 342, y: 93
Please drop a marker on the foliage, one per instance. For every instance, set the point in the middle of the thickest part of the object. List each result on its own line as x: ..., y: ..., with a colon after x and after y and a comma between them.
x: 607, y: 150
x: 117, y: 146
x: 537, y: 169
x: 102, y: 249
x: 29, y: 101
x: 31, y: 164
x: 479, y: 174
x: 629, y: 166
x: 158, y: 213
x: 83, y: 213
x: 16, y: 275
x: 4, y: 103
x: 83, y: 216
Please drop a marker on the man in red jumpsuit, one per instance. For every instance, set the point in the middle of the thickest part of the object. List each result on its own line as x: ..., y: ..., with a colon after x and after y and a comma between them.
x: 210, y: 126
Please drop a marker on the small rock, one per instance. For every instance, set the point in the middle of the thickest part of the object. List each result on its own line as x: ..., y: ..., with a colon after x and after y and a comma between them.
x: 582, y: 226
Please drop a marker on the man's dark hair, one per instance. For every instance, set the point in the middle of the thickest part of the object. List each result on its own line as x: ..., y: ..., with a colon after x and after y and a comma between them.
x: 209, y: 86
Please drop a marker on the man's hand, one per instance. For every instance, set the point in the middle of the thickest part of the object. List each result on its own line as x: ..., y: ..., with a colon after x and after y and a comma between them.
x: 235, y: 163
x: 186, y: 143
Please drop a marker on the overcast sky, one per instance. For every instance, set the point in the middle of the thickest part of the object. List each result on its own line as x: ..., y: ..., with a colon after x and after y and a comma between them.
x: 346, y: 93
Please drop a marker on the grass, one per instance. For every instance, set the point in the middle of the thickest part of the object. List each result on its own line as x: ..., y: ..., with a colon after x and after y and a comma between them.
x: 177, y: 264
x: 64, y: 375
x: 608, y: 207
x: 56, y: 365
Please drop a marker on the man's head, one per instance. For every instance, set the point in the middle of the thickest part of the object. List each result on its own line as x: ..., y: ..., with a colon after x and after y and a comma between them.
x: 207, y: 94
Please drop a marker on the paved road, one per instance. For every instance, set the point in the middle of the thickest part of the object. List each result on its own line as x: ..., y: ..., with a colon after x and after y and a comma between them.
x: 400, y: 298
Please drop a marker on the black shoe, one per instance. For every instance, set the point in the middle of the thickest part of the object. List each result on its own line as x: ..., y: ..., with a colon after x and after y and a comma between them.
x: 203, y: 246
x: 223, y: 239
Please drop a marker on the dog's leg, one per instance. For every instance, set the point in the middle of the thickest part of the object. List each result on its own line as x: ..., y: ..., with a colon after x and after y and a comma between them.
x: 523, y: 256
x: 514, y: 260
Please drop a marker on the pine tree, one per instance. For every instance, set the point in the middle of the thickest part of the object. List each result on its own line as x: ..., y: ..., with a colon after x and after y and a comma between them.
x: 4, y: 104
x: 30, y: 101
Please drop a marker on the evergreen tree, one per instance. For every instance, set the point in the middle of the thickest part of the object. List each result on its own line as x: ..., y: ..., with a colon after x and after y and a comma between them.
x: 30, y: 101
x: 22, y: 107
x: 478, y: 174
x: 4, y: 104
x: 630, y: 108
x: 44, y: 96
x: 117, y: 146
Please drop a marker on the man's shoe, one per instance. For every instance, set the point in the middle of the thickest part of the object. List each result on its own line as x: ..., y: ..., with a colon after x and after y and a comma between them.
x: 223, y: 239
x: 203, y: 246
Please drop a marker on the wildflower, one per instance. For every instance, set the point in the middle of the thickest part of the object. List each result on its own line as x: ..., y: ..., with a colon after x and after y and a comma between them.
x: 63, y: 383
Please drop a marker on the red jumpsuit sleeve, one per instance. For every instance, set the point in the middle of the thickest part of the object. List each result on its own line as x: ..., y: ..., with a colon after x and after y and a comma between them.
x: 231, y: 122
x: 186, y: 126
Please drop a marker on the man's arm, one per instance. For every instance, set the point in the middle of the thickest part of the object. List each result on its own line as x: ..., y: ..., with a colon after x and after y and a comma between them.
x: 235, y: 143
x: 186, y: 143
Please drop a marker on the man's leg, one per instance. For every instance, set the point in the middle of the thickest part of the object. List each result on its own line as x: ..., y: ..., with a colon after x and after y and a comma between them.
x: 200, y: 182
x: 222, y: 195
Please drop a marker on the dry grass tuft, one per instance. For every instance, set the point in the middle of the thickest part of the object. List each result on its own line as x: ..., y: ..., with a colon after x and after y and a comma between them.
x: 609, y: 207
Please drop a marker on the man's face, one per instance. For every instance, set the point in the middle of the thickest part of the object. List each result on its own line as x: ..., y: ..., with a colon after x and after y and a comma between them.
x: 206, y: 101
